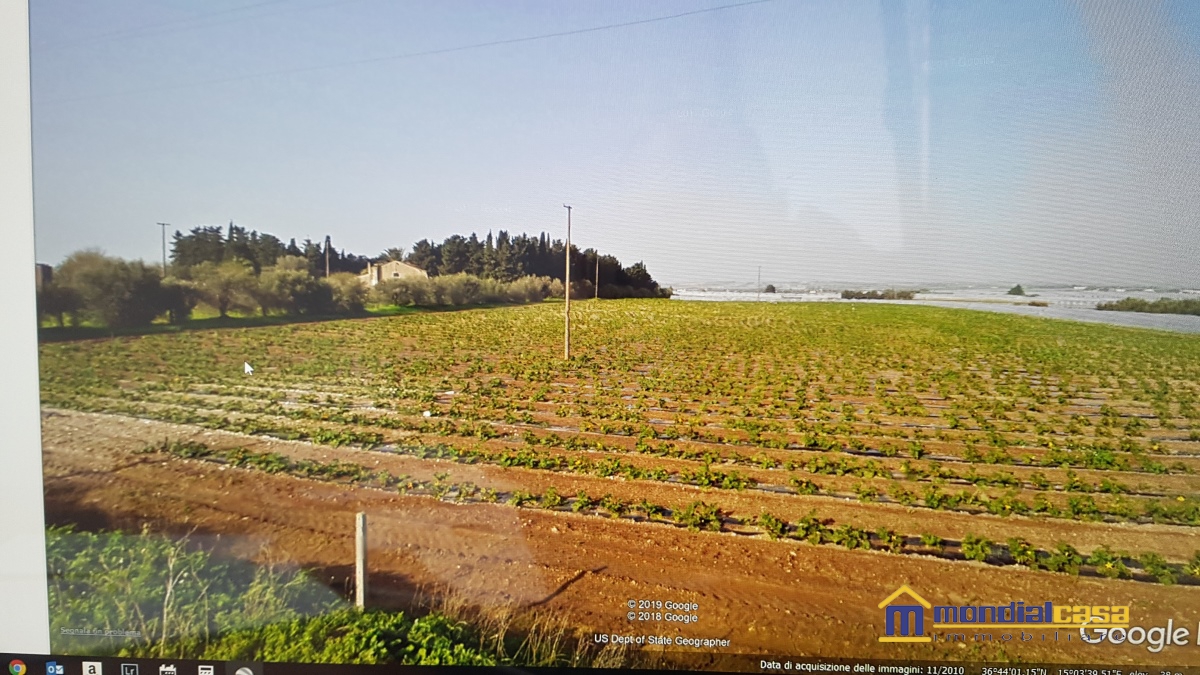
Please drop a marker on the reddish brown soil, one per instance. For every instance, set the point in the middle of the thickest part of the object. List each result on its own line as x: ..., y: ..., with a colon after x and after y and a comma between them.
x: 766, y: 597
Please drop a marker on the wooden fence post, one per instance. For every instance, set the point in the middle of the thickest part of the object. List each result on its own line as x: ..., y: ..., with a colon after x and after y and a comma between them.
x: 360, y: 560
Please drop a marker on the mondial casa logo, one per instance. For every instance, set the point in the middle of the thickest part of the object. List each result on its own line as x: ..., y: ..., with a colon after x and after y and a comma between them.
x: 904, y: 621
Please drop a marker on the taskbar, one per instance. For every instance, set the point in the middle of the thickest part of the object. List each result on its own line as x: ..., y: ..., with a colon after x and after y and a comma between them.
x: 33, y: 664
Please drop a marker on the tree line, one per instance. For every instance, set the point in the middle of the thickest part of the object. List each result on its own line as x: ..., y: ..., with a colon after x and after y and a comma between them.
x: 236, y: 270
x: 502, y: 257
x: 508, y: 257
x: 260, y: 250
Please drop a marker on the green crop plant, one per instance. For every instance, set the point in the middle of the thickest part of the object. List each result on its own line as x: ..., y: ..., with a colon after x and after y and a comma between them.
x: 890, y: 540
x: 699, y: 515
x: 933, y: 541
x: 1156, y: 566
x: 902, y: 495
x: 810, y: 529
x: 1007, y: 504
x: 815, y: 393
x: 612, y: 505
x: 865, y: 492
x: 976, y: 548
x: 1022, y: 553
x: 1108, y: 564
x: 649, y: 508
x: 774, y: 527
x: 850, y: 537
x: 582, y: 502
x: 551, y: 499
x: 1063, y: 558
x: 521, y: 498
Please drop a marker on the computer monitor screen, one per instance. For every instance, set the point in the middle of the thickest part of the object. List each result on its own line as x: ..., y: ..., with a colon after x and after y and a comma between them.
x: 747, y: 336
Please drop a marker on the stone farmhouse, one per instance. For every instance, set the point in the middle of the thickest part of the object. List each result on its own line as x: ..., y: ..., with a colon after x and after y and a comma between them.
x: 392, y: 269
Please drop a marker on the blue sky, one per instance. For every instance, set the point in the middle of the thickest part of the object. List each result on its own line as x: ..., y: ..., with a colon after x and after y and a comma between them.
x: 873, y: 142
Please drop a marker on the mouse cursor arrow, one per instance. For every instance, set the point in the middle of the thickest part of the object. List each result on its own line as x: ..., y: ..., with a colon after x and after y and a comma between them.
x: 248, y: 368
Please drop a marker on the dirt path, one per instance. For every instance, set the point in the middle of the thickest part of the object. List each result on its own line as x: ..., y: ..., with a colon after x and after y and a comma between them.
x: 763, y: 596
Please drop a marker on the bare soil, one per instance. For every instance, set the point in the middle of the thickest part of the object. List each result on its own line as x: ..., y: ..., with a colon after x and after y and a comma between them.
x: 767, y: 597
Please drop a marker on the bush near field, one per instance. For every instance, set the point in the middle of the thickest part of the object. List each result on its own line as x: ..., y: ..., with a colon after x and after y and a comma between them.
x: 889, y: 294
x: 1159, y: 306
x: 170, y: 599
x: 90, y: 287
x: 463, y: 289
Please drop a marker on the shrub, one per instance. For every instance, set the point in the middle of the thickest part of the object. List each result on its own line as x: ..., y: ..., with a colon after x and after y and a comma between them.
x: 286, y: 286
x: 348, y: 295
x: 528, y: 289
x: 108, y: 290
x: 350, y: 636
x: 179, y: 298
x: 889, y: 294
x: 57, y: 301
x: 179, y: 598
x: 1159, y: 306
x: 460, y: 289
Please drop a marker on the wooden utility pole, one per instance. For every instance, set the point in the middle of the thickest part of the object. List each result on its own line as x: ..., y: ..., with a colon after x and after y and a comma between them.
x: 327, y: 245
x: 360, y: 560
x: 567, y: 292
x: 164, y: 227
x: 597, y: 275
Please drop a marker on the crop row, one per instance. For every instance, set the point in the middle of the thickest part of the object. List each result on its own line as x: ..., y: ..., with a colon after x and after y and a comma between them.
x: 1106, y: 454
x: 699, y: 515
x: 1178, y: 510
x: 1096, y: 456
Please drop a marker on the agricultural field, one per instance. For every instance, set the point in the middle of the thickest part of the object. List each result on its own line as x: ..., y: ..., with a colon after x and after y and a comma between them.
x: 783, y: 466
